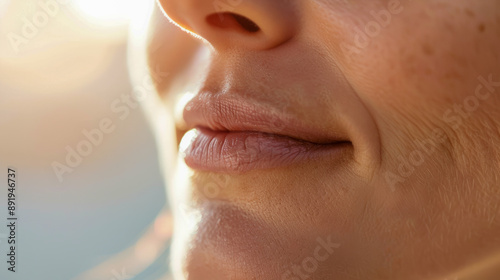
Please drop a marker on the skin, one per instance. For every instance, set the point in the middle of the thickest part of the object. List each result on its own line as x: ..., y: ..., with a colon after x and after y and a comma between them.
x: 394, y: 208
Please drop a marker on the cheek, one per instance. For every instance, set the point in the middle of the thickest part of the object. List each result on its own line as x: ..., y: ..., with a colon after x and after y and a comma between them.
x: 415, y: 69
x: 426, y: 54
x: 426, y: 59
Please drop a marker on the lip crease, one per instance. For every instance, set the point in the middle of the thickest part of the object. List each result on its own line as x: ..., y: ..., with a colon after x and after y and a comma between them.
x: 233, y: 136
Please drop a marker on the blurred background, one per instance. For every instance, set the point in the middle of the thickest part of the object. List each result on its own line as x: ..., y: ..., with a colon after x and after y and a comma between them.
x: 91, y: 200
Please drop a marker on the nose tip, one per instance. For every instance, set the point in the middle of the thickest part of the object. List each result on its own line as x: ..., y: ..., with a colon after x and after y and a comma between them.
x: 256, y: 25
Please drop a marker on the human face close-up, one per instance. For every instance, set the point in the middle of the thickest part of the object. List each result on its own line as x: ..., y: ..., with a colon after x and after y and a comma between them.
x: 332, y: 139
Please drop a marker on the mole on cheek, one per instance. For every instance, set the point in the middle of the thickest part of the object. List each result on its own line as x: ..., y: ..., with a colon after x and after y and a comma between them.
x: 481, y: 27
x: 427, y: 49
x: 470, y: 13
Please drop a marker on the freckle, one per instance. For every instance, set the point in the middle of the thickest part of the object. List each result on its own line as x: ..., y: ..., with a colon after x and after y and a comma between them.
x: 470, y: 13
x: 453, y: 75
x: 481, y: 27
x: 427, y: 49
x: 410, y: 58
x: 459, y: 60
x: 449, y: 26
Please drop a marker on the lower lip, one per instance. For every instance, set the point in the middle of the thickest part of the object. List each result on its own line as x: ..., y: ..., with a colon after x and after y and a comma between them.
x: 238, y: 152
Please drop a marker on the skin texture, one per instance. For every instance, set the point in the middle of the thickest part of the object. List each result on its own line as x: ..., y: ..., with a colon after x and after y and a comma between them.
x: 416, y: 196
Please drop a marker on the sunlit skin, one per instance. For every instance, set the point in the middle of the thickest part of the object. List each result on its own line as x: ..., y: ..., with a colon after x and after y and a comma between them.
x: 411, y: 87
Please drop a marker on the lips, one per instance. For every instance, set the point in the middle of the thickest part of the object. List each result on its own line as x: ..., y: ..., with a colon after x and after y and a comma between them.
x: 231, y: 135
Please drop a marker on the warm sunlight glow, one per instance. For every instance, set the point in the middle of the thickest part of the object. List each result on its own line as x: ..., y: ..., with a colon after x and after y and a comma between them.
x: 109, y: 12
x: 3, y: 6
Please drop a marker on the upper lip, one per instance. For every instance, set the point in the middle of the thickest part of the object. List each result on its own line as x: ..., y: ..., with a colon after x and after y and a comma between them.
x: 231, y: 113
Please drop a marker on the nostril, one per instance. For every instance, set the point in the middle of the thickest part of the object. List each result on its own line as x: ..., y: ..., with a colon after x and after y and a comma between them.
x: 232, y: 20
x: 246, y: 23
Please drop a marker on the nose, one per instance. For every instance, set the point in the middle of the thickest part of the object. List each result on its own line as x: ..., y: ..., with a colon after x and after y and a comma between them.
x: 228, y: 24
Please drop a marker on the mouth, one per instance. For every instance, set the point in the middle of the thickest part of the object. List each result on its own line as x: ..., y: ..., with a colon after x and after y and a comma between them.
x: 233, y: 136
